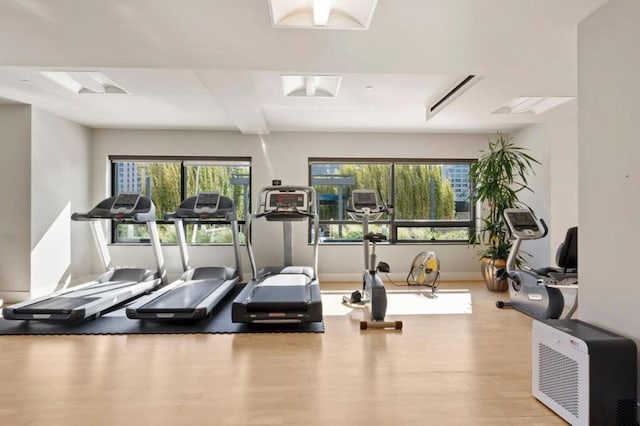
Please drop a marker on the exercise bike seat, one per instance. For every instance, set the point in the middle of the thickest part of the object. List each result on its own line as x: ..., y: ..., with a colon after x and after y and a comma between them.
x: 375, y: 237
x: 563, y: 276
x: 566, y: 257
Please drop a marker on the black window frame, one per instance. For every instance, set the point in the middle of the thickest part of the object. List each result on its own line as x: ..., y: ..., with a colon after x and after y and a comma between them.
x: 393, y: 223
x: 113, y: 159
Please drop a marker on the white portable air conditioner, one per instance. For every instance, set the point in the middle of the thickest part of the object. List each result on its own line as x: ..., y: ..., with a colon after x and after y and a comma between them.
x: 586, y: 374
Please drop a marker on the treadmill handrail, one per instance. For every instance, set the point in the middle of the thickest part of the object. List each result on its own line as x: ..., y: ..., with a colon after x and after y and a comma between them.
x: 136, y: 217
x: 283, y: 212
x: 228, y: 219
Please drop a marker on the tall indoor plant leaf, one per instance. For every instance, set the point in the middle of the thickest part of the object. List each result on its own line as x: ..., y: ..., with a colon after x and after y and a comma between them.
x: 498, y: 176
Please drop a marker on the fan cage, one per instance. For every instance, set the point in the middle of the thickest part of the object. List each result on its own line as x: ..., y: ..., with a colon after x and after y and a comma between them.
x: 425, y: 271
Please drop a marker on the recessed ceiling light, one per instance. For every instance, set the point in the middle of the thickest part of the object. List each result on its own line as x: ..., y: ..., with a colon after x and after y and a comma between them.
x: 321, y: 12
x: 531, y: 104
x: 25, y: 81
x: 310, y: 86
x: 368, y: 87
x: 327, y: 14
x: 85, y: 82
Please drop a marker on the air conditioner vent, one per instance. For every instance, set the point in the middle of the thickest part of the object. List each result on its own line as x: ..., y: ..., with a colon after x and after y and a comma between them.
x: 559, y: 378
x: 451, y: 95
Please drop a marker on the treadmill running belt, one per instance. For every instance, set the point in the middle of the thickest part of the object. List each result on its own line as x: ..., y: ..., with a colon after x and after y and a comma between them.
x: 116, y: 322
x: 279, y: 298
x: 183, y: 299
x: 55, y: 304
x: 73, y: 299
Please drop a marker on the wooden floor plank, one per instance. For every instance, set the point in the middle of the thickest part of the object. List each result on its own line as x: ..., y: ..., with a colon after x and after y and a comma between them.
x: 439, y: 370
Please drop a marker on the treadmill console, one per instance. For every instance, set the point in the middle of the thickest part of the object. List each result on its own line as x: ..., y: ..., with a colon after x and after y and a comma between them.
x: 364, y: 199
x: 207, y: 202
x: 125, y: 203
x: 523, y: 224
x: 290, y: 201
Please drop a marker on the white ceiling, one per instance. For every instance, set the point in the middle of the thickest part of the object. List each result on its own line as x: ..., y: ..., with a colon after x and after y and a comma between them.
x: 216, y: 64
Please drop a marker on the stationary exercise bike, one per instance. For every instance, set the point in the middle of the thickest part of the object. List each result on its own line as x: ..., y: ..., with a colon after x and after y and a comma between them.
x: 373, y: 296
x: 537, y: 292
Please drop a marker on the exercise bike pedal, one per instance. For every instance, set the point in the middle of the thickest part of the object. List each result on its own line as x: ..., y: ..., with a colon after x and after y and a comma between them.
x: 383, y: 267
x: 354, y: 298
x: 501, y: 304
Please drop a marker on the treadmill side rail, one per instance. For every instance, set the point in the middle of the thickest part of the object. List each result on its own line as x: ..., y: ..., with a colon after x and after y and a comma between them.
x: 93, y: 306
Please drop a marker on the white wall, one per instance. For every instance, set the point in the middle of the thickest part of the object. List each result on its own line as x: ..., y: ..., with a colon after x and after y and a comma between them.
x: 284, y: 156
x: 60, y: 182
x: 15, y: 148
x: 563, y: 138
x: 555, y: 183
x: 609, y: 172
x: 535, y: 139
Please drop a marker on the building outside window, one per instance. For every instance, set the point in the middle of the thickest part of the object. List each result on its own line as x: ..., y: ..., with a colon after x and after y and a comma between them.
x: 169, y: 180
x: 430, y: 198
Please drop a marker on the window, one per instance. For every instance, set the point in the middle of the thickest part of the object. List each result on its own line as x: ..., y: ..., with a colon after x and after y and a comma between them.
x: 168, y: 181
x: 430, y: 198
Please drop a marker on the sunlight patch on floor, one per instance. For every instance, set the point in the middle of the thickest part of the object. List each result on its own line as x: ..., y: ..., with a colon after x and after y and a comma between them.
x: 444, y: 302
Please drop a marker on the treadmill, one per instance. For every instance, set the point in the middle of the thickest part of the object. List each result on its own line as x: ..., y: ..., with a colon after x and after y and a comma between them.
x: 285, y: 293
x: 116, y: 285
x: 200, y: 289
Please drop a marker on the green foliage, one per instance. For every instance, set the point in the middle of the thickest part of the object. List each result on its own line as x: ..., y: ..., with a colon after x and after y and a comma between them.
x: 354, y: 233
x: 161, y: 181
x: 420, y: 190
x: 436, y: 234
x: 369, y: 176
x: 165, y: 186
x: 219, y: 178
x: 499, y: 175
x: 422, y: 193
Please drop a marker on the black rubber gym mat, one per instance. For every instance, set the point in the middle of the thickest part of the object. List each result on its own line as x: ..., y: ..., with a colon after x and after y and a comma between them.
x: 116, y: 322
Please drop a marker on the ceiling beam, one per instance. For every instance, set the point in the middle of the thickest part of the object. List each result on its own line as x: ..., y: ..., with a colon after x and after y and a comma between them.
x: 236, y: 95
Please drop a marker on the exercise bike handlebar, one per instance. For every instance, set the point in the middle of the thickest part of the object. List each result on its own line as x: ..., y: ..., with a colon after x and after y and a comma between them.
x: 381, y: 209
x: 544, y: 226
x: 513, y: 254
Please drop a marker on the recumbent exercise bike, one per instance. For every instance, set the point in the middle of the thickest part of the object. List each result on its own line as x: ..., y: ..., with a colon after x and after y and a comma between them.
x: 537, y: 292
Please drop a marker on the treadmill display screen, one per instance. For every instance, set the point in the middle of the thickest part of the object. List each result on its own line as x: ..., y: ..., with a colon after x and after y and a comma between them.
x: 364, y: 199
x: 287, y: 201
x: 207, y: 200
x: 125, y: 201
x: 521, y: 221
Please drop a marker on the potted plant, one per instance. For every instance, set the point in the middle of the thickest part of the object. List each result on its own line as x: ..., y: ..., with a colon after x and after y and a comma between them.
x: 498, y: 176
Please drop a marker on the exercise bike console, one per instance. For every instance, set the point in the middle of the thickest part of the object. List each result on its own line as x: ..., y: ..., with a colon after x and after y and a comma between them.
x: 523, y: 224
x: 365, y: 199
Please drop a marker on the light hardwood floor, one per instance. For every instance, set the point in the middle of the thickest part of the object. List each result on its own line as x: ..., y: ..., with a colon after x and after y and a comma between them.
x: 439, y: 370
